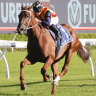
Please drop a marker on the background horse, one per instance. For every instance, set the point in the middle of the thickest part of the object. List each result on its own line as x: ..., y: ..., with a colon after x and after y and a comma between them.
x: 41, y: 47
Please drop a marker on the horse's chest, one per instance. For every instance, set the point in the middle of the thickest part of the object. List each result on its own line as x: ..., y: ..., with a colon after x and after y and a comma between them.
x: 34, y: 51
x: 38, y: 48
x: 33, y: 48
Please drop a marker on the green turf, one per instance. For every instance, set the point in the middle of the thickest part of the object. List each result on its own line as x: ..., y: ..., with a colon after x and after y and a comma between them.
x: 77, y: 82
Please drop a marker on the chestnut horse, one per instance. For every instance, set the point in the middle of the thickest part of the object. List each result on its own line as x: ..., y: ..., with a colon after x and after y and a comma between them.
x: 41, y: 47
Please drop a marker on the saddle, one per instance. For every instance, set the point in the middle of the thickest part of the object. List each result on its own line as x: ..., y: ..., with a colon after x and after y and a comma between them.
x: 65, y: 37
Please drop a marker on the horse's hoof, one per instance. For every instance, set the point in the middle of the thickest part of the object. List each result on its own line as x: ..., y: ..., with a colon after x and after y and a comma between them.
x: 23, y: 87
x: 53, y: 93
x: 46, y: 78
x: 53, y: 90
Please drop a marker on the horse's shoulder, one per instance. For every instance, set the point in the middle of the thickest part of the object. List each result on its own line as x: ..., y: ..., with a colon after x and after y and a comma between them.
x: 46, y: 35
x: 45, y: 32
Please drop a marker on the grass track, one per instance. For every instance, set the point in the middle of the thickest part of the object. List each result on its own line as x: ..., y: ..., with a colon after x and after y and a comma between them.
x: 77, y: 82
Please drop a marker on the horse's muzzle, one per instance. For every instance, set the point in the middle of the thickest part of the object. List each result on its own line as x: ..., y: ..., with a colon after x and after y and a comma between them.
x: 21, y: 31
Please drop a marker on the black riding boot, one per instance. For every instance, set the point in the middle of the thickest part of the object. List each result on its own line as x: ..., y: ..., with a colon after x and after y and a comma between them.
x: 55, y: 30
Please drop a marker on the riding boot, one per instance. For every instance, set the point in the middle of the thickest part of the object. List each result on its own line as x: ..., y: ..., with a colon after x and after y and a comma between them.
x: 56, y: 31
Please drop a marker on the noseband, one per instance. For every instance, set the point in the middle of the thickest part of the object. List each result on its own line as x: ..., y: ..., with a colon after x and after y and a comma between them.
x: 29, y: 20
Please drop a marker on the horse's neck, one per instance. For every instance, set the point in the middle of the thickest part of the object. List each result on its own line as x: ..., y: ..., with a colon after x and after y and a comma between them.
x: 36, y: 29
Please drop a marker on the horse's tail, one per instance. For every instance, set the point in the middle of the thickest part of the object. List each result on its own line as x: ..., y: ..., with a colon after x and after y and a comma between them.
x: 83, y: 53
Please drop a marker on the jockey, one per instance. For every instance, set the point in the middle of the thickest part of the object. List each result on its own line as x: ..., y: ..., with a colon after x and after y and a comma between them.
x: 47, y: 16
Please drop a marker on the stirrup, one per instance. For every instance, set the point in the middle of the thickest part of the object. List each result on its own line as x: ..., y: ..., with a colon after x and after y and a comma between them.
x: 59, y: 36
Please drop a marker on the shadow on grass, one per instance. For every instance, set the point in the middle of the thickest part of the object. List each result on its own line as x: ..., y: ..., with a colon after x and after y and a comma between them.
x: 41, y: 82
x: 14, y: 85
x: 80, y: 85
x: 5, y: 94
x: 77, y: 80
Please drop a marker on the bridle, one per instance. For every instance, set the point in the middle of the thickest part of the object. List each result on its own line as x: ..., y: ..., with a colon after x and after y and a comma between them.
x: 28, y: 20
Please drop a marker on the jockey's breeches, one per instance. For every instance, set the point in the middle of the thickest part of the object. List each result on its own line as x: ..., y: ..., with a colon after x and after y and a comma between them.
x: 54, y: 20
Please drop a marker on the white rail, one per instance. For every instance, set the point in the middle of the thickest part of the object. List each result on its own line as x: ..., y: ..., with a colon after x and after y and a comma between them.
x: 7, y: 44
x: 7, y: 68
x: 22, y: 44
x: 16, y: 44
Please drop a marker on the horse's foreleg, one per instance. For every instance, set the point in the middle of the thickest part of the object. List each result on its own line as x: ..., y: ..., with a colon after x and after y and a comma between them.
x: 22, y: 64
x: 54, y: 78
x: 44, y: 68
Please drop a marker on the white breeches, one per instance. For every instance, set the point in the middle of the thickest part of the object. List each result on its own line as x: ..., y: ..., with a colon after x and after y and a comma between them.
x: 54, y: 20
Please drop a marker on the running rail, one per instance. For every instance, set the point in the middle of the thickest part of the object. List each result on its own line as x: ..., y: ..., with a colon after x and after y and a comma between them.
x: 23, y: 44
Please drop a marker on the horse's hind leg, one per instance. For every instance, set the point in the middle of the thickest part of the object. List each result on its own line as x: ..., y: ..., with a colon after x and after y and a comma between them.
x: 64, y: 70
x: 54, y: 74
x: 67, y: 60
x: 22, y: 64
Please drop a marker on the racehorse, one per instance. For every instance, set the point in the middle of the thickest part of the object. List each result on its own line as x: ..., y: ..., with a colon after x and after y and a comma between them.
x: 41, y: 47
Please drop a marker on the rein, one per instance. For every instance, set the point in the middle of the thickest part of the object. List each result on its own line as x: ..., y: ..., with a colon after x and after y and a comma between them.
x: 29, y: 19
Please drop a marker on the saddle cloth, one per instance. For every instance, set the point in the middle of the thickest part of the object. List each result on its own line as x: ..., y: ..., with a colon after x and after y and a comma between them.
x: 65, y: 35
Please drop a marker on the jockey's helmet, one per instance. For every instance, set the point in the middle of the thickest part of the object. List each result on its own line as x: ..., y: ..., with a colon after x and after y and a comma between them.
x: 37, y: 6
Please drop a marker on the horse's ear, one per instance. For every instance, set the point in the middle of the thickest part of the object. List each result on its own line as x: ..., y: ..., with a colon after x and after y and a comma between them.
x: 31, y: 7
x: 22, y: 7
